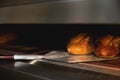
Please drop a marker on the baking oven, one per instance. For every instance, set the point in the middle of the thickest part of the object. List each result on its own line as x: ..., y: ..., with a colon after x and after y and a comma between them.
x: 54, y: 37
x: 57, y: 22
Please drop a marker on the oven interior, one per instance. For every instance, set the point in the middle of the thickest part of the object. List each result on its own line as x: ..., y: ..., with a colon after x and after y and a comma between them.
x: 56, y: 37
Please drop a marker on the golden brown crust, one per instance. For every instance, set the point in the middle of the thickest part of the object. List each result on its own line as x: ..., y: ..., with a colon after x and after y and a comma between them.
x: 80, y: 44
x: 107, y: 46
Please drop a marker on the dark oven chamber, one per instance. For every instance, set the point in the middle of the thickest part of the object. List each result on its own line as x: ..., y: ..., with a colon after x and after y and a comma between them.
x: 55, y: 36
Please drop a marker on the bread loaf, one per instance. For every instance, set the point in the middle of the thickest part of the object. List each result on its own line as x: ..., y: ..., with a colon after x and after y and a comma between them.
x: 107, y: 46
x: 80, y: 44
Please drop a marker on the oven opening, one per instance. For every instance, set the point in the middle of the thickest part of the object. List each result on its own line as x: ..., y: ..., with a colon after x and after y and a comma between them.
x: 44, y: 38
x: 52, y: 36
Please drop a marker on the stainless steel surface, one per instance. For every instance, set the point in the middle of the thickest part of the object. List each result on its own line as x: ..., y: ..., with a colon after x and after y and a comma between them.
x: 46, y: 71
x: 65, y: 11
x: 5, y: 3
x: 101, y: 68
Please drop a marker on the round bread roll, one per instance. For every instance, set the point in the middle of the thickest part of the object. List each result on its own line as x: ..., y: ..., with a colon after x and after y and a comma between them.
x: 107, y: 46
x: 80, y: 44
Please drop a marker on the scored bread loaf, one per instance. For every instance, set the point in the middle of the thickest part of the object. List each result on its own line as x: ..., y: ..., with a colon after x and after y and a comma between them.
x: 107, y: 46
x: 80, y: 44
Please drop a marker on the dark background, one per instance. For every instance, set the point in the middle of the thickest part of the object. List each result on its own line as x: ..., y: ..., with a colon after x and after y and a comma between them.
x: 55, y: 36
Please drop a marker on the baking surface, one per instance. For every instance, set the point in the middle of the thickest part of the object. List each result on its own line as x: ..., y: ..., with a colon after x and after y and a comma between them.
x: 111, y: 67
x: 105, y: 66
x: 101, y: 67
